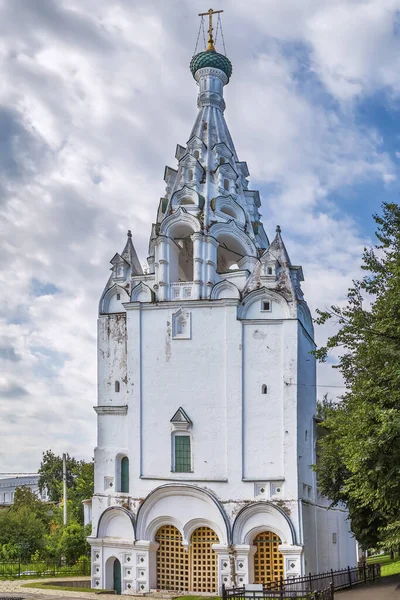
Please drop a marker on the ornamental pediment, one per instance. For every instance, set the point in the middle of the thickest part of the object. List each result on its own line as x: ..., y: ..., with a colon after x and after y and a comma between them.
x: 223, y: 150
x: 196, y: 143
x: 117, y: 260
x: 188, y: 160
x: 226, y: 170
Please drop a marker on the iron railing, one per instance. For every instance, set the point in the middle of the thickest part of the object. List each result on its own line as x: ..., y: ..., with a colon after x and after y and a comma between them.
x: 321, y: 586
x: 305, y: 594
x: 21, y: 568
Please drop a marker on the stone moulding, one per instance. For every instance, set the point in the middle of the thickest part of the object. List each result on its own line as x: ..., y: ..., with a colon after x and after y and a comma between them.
x: 111, y: 410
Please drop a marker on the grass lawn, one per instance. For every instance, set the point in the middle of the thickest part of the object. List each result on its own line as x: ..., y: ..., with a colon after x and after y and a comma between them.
x: 43, y: 586
x: 388, y: 566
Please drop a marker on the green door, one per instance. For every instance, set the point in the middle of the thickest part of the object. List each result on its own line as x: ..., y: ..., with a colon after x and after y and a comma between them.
x: 125, y: 474
x: 117, y: 576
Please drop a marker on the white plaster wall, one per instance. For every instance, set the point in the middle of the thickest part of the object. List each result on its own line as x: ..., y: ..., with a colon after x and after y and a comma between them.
x: 331, y: 555
x: 306, y: 407
x: 112, y: 359
x: 309, y: 538
x: 187, y: 373
x: 263, y: 418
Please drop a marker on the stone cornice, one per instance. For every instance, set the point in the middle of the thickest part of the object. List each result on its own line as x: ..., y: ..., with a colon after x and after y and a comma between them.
x: 111, y: 410
x: 173, y: 303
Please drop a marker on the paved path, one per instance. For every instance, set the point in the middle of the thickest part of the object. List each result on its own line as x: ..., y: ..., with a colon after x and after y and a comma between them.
x: 14, y: 589
x: 387, y: 588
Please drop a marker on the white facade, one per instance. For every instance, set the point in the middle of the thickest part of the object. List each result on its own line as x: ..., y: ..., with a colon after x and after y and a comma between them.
x: 9, y: 482
x: 211, y: 345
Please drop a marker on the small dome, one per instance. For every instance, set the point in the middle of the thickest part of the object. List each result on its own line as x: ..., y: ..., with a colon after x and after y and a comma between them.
x: 211, y: 58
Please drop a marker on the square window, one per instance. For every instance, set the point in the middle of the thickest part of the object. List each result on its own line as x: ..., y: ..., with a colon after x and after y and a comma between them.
x: 266, y: 305
x: 269, y: 270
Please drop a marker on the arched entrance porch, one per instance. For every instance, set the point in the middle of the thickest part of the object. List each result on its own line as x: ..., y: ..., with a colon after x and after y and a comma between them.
x: 268, y: 560
x: 193, y: 569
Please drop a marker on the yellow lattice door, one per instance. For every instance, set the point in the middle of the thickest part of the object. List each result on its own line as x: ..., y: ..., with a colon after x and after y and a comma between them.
x: 268, y: 561
x: 172, y: 560
x: 203, y: 561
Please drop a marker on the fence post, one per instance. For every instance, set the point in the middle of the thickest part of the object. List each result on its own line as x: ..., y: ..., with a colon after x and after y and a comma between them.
x: 19, y: 566
x: 365, y: 571
x: 332, y: 590
x: 223, y: 592
x: 310, y: 581
x: 373, y: 572
x: 349, y: 572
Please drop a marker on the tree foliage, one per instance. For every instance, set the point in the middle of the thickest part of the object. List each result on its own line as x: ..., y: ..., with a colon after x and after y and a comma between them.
x: 359, y: 457
x: 32, y: 529
x: 80, y: 477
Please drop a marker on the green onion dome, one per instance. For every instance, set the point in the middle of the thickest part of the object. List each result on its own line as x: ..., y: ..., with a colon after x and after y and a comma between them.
x: 211, y: 58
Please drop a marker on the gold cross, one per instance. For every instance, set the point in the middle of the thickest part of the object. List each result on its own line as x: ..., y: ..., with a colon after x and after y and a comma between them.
x: 210, y: 14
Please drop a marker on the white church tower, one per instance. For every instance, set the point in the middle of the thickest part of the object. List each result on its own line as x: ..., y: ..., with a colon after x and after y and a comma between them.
x: 206, y: 388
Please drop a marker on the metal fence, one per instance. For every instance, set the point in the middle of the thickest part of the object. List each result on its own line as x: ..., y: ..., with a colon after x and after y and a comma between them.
x: 321, y: 586
x: 305, y: 594
x: 43, y: 568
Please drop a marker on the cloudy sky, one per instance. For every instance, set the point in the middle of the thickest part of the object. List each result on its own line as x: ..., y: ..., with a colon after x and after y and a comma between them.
x: 94, y: 97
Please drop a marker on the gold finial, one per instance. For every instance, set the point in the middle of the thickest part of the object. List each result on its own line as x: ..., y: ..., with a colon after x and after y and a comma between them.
x: 210, y: 14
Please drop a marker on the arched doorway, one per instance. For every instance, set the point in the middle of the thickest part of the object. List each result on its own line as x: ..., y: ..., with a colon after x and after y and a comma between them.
x: 117, y: 576
x: 203, y: 561
x: 268, y: 561
x: 172, y: 560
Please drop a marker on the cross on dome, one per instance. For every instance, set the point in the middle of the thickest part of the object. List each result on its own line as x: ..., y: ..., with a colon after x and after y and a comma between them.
x: 210, y: 14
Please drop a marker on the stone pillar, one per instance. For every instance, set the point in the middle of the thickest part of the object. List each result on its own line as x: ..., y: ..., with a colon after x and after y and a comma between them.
x: 197, y: 265
x: 211, y: 265
x: 244, y: 564
x: 145, y: 566
x: 161, y: 271
x: 224, y: 566
x: 291, y: 560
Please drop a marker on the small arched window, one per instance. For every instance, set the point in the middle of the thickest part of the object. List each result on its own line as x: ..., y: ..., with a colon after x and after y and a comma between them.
x: 125, y: 474
x: 196, y: 154
x: 222, y: 160
x: 226, y: 185
x: 117, y: 386
x: 264, y: 389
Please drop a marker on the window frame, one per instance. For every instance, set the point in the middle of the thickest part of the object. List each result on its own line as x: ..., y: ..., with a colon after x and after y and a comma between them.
x: 266, y: 309
x: 180, y: 434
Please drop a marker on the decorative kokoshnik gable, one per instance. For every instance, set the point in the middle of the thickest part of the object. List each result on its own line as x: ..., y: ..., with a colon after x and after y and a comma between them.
x: 206, y: 387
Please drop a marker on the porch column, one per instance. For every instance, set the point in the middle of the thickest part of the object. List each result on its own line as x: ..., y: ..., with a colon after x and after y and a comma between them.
x: 224, y: 568
x: 244, y: 564
x: 291, y: 560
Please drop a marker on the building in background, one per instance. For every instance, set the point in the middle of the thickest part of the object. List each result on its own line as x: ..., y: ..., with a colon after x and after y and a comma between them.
x: 207, y: 388
x: 9, y: 482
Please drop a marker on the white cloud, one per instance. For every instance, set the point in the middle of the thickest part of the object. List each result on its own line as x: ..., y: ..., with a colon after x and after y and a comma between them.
x: 95, y: 95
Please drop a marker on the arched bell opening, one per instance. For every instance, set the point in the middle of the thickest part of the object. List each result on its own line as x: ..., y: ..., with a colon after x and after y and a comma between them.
x: 181, y: 255
x: 229, y: 253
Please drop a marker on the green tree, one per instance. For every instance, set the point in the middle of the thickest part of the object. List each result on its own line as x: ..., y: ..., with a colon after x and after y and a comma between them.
x: 359, y: 456
x: 72, y: 543
x: 21, y: 531
x: 80, y: 476
x: 51, y: 474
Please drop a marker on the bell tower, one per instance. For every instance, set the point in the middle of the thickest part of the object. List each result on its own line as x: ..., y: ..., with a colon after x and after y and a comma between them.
x: 207, y: 387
